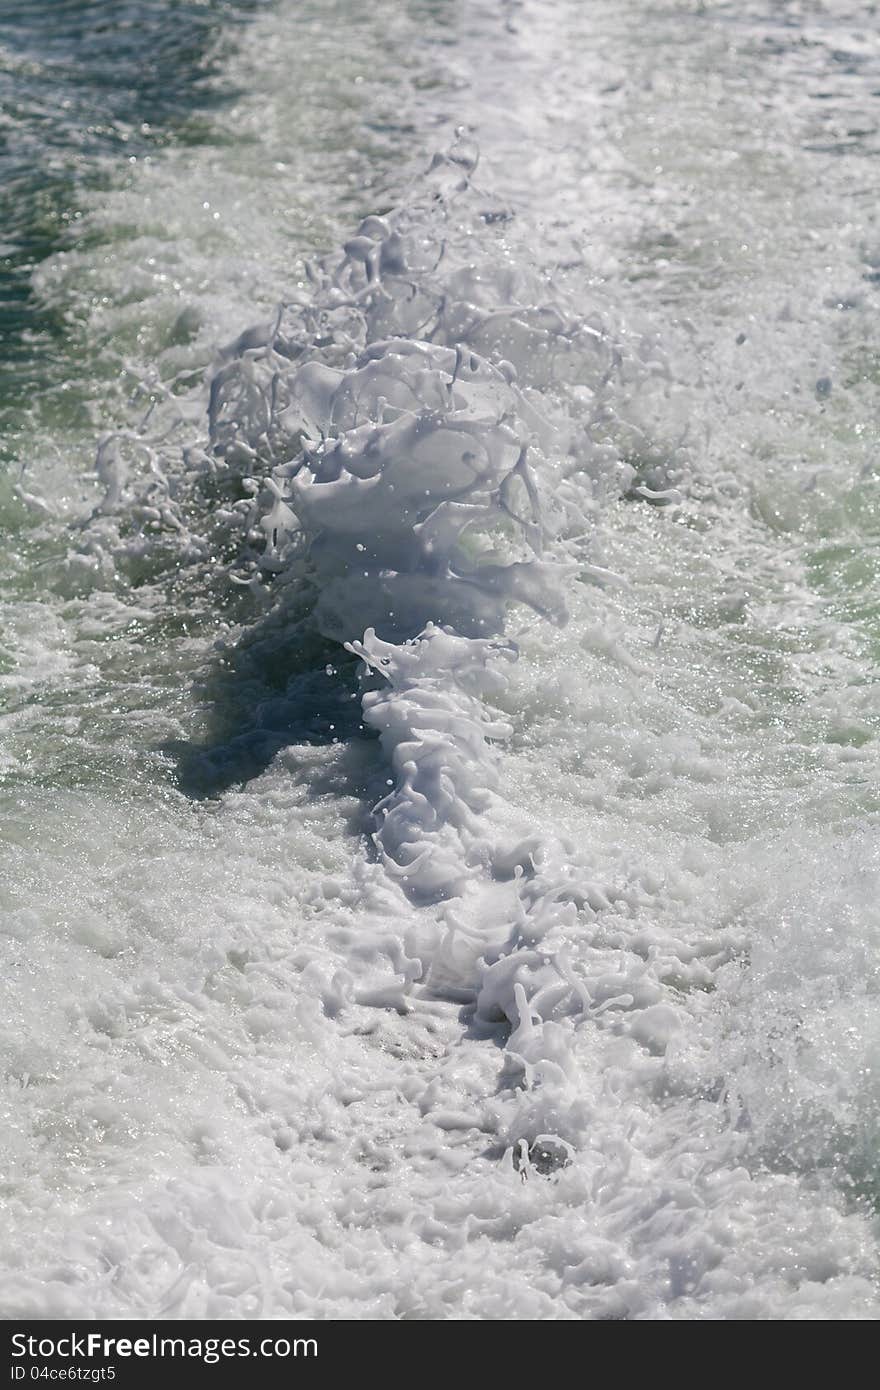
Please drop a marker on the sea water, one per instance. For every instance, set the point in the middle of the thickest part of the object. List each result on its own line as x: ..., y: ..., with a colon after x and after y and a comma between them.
x: 439, y: 763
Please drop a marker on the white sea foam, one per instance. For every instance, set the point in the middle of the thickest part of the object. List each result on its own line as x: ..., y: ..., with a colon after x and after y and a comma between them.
x: 389, y: 416
x: 544, y: 1003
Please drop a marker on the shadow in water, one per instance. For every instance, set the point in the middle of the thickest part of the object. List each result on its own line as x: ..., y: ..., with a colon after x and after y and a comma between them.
x: 281, y: 685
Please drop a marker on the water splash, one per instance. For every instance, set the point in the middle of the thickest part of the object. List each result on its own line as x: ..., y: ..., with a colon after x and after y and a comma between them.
x: 411, y: 447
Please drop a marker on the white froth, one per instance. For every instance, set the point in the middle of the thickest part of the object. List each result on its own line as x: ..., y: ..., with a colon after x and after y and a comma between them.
x: 554, y: 997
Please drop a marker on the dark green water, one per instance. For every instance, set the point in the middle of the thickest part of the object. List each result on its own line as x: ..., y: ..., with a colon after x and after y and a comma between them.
x: 85, y: 87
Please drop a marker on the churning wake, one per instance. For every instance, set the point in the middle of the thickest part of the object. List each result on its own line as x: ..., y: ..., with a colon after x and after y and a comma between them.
x: 393, y: 439
x: 474, y: 953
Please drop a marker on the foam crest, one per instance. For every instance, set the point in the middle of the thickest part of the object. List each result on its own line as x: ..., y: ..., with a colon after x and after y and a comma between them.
x: 405, y: 448
x: 429, y: 424
x: 416, y: 492
x: 415, y: 386
x: 438, y: 736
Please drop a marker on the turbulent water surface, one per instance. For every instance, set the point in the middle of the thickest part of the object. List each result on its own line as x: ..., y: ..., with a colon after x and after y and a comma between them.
x: 527, y: 969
